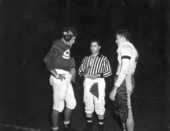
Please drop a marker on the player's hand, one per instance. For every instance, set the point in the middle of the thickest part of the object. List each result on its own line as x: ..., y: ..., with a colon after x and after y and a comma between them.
x: 113, y: 94
x: 115, y: 79
x: 61, y: 77
x: 73, y: 79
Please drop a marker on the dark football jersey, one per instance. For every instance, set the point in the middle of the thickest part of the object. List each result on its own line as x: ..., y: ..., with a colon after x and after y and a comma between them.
x: 59, y: 57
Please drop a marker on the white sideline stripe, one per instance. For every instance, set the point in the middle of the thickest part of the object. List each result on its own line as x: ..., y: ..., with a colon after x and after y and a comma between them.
x: 18, y: 127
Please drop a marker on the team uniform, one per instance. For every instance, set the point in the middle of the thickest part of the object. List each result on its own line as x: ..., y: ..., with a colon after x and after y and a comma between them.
x: 93, y: 66
x: 127, y: 61
x: 58, y: 58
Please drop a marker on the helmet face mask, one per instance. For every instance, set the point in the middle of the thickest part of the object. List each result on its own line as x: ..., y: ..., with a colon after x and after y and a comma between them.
x: 68, y: 33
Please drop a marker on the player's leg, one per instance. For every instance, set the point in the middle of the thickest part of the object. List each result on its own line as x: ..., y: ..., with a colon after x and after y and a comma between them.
x: 130, y: 120
x: 121, y: 104
x: 70, y: 105
x: 67, y: 116
x: 54, y: 120
x: 57, y: 108
x: 124, y: 126
x: 100, y: 103
x: 58, y: 101
x: 130, y: 87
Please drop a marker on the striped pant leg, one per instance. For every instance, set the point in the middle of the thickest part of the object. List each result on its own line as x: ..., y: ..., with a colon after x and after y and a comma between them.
x: 123, y: 98
x: 122, y: 102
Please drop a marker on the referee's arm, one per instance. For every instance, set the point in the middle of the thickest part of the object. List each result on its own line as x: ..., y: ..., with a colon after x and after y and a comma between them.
x: 82, y: 68
x: 107, y: 69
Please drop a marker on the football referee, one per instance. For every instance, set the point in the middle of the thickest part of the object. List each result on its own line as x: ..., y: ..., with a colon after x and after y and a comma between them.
x: 94, y: 69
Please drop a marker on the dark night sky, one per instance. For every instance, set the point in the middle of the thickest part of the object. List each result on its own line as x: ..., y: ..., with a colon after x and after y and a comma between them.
x: 28, y: 27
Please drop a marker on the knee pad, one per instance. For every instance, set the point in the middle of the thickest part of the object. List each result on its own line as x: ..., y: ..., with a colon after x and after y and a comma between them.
x: 72, y: 104
x: 59, y: 106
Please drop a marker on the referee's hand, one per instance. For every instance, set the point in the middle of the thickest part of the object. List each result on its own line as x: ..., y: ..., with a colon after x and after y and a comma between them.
x: 91, y: 76
x: 86, y: 76
x: 94, y: 76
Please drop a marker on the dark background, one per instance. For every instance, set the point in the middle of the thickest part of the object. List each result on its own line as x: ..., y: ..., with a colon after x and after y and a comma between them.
x: 28, y: 28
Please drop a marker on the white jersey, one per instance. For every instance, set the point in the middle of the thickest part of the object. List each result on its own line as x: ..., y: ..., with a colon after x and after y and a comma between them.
x: 127, y: 61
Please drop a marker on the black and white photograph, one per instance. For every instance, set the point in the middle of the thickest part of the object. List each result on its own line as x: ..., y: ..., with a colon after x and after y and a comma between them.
x: 84, y: 65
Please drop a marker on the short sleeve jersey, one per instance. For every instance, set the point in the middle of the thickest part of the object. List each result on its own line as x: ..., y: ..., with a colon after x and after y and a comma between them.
x: 127, y: 61
x: 59, y: 57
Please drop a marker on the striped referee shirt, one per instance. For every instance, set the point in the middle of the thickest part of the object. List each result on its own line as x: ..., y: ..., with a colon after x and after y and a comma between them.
x: 94, y: 66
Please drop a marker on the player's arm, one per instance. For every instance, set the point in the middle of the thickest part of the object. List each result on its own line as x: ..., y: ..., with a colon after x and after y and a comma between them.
x: 123, y: 72
x: 54, y: 73
x: 119, y: 80
x: 73, y: 71
x: 57, y: 76
x: 125, y: 62
x: 73, y: 75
